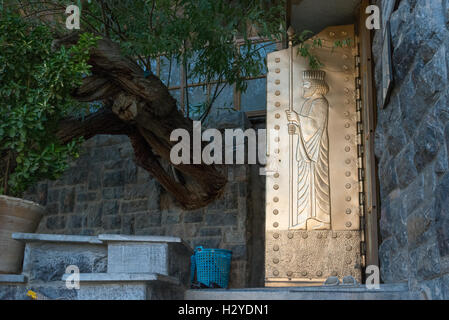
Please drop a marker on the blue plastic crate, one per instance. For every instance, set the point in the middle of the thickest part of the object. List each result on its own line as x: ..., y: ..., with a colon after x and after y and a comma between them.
x: 211, y: 265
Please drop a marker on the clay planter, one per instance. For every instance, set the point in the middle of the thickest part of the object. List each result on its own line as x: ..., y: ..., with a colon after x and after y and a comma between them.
x: 16, y: 215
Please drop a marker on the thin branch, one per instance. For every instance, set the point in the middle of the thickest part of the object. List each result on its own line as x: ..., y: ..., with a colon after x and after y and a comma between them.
x: 105, y: 19
x: 8, y: 163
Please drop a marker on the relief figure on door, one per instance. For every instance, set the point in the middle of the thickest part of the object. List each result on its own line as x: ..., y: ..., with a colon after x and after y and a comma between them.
x: 308, y: 123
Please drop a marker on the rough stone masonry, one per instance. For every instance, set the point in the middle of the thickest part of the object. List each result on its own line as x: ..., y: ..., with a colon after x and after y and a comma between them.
x: 412, y: 140
x: 104, y: 192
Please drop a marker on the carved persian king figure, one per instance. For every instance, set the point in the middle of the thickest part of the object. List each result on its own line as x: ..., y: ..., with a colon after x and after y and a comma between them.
x: 309, y: 124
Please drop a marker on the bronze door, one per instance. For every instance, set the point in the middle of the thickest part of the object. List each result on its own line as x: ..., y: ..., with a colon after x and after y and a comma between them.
x: 313, y: 183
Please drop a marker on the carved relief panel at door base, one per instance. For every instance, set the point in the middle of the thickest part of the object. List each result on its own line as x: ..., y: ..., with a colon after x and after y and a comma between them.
x: 312, y: 206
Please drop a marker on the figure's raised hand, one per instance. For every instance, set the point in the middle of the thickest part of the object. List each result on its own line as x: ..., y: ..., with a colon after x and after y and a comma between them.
x: 292, y: 116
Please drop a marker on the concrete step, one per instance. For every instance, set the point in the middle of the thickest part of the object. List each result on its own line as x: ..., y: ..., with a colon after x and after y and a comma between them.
x: 110, y: 267
x: 386, y: 292
x: 168, y: 256
x: 48, y: 255
x: 128, y: 286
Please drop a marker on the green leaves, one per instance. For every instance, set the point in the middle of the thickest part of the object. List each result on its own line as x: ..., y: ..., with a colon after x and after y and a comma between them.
x: 200, y: 30
x: 35, y: 86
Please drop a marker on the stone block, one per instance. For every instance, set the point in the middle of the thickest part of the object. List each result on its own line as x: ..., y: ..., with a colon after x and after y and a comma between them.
x: 445, y: 286
x: 148, y: 254
x: 112, y: 222
x: 397, y: 291
x: 106, y: 153
x: 442, y: 215
x: 67, y: 200
x: 399, y: 266
x: 206, y: 242
x: 114, y: 178
x: 147, y: 219
x: 238, y: 251
x: 137, y: 258
x: 405, y: 167
x: 428, y: 144
x: 12, y: 292
x: 222, y: 218
x: 232, y: 196
x: 421, y: 227
x: 155, y: 290
x: 441, y: 163
x: 111, y: 207
x: 12, y: 278
x: 130, y: 171
x: 431, y: 289
x: 53, y: 195
x: 76, y: 175
x: 426, y: 258
x: 94, y: 214
x: 55, y: 222
x: 46, y: 262
x: 113, y: 164
x: 170, y: 217
x: 413, y: 195
x: 113, y: 193
x: 138, y: 191
x: 53, y: 291
x: 113, y: 291
x: 387, y: 250
x: 95, y: 178
x: 127, y: 224
x: 389, y: 177
x: 76, y: 222
x: 134, y: 206
x: 193, y: 216
x: 210, y: 232
x: 86, y: 196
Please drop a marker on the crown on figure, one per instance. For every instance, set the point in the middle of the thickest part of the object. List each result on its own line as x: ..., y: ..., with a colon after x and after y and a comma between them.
x: 313, y: 75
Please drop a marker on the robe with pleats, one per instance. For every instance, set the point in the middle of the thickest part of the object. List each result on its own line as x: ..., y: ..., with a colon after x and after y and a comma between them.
x: 312, y: 155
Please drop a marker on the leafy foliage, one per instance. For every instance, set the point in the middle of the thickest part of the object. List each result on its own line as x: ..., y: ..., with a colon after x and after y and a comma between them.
x: 35, y: 86
x: 199, y: 34
x: 305, y: 48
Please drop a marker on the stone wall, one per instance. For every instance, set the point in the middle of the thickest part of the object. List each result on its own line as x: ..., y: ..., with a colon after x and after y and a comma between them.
x: 104, y: 192
x: 412, y: 140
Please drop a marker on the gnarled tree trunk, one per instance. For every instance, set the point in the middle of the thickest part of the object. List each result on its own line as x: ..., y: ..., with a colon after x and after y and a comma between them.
x: 143, y: 109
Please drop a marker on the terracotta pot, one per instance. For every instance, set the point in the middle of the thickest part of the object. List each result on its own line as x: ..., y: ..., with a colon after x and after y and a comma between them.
x: 16, y: 215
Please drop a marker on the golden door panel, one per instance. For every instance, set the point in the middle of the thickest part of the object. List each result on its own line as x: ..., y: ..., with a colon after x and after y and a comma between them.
x: 312, y: 206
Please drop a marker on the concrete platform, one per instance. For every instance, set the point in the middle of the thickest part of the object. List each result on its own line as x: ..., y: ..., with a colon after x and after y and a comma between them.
x: 127, y: 286
x: 124, y: 277
x: 360, y: 292
x: 54, y: 238
x: 12, y: 278
x: 111, y: 267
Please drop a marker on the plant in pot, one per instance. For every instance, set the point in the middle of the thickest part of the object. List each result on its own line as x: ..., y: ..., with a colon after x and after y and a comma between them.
x: 35, y: 86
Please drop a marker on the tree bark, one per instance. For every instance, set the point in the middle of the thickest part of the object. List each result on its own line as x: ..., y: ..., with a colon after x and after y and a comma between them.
x: 143, y: 109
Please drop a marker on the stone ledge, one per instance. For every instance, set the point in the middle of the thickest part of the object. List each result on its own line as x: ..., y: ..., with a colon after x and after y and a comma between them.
x: 13, y: 278
x: 397, y: 291
x: 154, y: 239
x: 41, y: 237
x: 124, y: 277
x: 100, y: 239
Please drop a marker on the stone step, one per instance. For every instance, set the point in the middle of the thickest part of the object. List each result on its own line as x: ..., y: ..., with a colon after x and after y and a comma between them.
x: 110, y: 267
x: 48, y: 255
x: 123, y: 277
x: 148, y: 254
x: 386, y: 292
x: 96, y: 286
x: 127, y: 286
